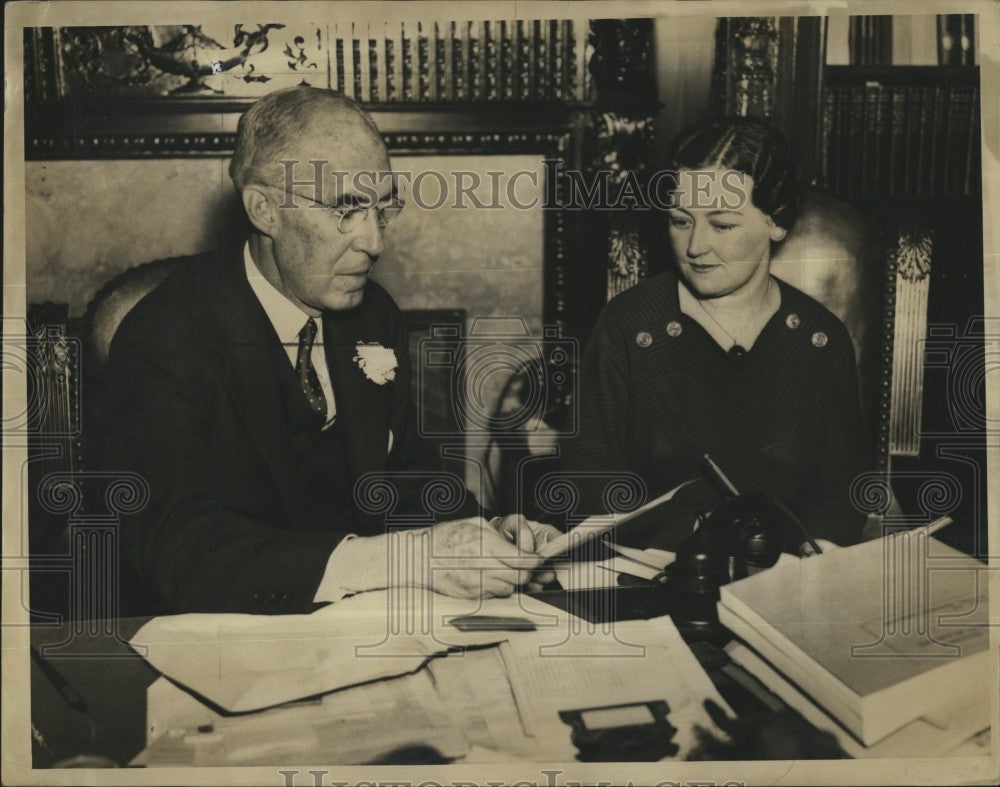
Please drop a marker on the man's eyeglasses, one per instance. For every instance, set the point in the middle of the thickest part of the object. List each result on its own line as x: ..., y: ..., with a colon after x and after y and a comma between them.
x: 351, y: 217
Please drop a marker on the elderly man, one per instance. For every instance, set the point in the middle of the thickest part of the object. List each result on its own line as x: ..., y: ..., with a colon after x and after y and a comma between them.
x: 255, y: 387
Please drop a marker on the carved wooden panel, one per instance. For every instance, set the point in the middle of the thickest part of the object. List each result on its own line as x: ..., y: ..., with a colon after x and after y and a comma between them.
x: 384, y: 62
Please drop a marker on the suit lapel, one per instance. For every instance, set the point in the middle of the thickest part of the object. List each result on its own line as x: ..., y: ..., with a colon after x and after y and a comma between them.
x: 361, y: 404
x: 250, y: 356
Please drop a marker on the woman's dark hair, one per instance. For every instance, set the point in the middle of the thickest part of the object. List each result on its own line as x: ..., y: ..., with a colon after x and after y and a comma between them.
x: 749, y: 146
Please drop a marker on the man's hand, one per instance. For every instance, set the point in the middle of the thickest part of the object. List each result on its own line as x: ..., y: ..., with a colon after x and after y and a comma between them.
x: 470, y: 559
x: 530, y: 536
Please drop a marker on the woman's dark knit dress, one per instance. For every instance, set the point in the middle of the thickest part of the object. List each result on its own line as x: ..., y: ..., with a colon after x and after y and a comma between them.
x: 657, y: 392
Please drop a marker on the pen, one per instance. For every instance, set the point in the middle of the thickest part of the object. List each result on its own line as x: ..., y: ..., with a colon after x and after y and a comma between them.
x: 74, y: 700
x: 720, y: 476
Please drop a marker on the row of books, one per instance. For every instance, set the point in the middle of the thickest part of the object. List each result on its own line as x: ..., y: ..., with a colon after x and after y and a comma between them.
x: 912, y: 140
x: 515, y: 60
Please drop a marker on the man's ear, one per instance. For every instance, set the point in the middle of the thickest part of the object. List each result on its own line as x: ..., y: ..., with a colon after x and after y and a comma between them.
x: 260, y: 209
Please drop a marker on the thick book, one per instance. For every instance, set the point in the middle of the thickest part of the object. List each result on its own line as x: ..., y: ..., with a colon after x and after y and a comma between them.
x: 959, y: 126
x: 828, y: 161
x: 878, y: 634
x: 913, y: 160
x: 897, y: 142
x: 942, y: 99
x: 939, y: 736
x: 870, y: 163
x: 926, y: 155
x: 856, y: 140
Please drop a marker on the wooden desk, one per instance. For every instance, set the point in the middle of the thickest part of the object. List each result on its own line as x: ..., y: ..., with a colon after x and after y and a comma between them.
x: 110, y: 678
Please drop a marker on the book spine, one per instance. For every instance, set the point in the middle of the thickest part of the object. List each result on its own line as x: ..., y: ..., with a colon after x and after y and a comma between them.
x: 462, y: 62
x: 884, y: 168
x: 897, y: 143
x: 958, y: 137
x: 940, y: 140
x: 912, y: 169
x: 870, y: 164
x: 845, y: 97
x: 490, y: 69
x: 565, y: 61
x: 827, y: 145
x: 448, y: 62
x: 545, y: 62
x: 477, y: 62
x: 926, y: 140
x: 856, y: 141
x: 507, y: 45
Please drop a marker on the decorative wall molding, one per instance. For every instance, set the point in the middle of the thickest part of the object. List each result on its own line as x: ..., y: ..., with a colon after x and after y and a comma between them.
x: 380, y: 62
x: 582, y: 93
x: 911, y: 262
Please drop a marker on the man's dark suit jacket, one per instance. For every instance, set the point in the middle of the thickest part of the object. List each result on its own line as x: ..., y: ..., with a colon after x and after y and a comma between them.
x: 197, y: 409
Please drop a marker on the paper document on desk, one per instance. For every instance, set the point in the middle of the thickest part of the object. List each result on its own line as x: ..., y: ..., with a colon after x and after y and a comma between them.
x: 642, y: 563
x: 353, y: 726
x: 597, y: 525
x: 636, y: 661
x: 503, y: 698
x: 248, y: 662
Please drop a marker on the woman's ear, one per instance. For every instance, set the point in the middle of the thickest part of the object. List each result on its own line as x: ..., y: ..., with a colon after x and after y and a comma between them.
x: 260, y: 209
x: 777, y: 233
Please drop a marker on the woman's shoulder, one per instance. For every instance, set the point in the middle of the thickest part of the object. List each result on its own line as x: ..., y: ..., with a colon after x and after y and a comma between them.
x: 648, y: 301
x: 814, y: 318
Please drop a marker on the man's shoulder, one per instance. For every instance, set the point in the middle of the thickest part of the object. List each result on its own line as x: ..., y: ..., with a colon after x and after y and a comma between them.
x: 180, y: 305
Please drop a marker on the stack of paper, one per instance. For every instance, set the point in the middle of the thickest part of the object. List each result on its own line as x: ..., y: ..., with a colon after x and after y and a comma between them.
x: 940, y: 735
x: 878, y: 634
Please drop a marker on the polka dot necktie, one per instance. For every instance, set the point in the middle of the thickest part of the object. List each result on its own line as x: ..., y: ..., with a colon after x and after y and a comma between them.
x: 308, y: 378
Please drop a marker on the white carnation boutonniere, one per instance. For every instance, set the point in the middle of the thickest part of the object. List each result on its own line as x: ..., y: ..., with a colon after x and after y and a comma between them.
x: 377, y: 362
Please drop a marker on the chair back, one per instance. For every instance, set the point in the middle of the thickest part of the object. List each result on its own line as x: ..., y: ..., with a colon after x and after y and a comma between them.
x: 837, y: 256
x: 117, y: 298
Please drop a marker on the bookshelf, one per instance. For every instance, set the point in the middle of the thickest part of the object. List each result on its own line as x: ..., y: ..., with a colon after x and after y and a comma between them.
x: 885, y: 113
x: 899, y: 133
x: 903, y: 142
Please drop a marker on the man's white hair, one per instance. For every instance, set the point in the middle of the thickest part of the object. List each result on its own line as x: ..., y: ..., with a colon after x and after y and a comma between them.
x: 269, y: 130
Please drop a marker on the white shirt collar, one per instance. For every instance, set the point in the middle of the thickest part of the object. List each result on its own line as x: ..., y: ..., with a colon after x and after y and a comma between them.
x: 287, y: 318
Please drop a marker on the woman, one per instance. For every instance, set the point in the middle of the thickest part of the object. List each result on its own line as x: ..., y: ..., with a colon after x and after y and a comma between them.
x: 721, y: 358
